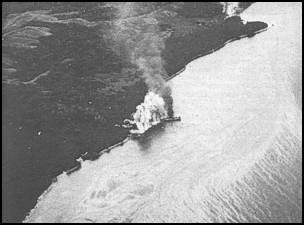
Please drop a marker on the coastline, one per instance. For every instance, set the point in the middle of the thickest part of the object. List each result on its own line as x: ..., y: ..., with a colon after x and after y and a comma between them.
x: 275, y: 155
x: 215, y: 49
x: 58, y: 149
x: 119, y: 143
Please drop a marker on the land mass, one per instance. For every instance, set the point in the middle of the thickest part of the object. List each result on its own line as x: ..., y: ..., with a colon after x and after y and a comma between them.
x: 68, y: 79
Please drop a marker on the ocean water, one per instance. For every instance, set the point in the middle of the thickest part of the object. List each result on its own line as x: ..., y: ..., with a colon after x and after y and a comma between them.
x: 236, y: 156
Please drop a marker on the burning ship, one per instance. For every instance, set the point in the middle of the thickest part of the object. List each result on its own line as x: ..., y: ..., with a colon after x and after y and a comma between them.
x: 151, y: 113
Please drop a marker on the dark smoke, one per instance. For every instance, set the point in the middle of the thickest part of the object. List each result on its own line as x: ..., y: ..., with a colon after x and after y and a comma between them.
x: 147, y: 56
x: 139, y: 37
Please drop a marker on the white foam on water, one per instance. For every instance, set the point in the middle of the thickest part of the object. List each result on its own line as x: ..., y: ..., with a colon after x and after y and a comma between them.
x: 236, y: 156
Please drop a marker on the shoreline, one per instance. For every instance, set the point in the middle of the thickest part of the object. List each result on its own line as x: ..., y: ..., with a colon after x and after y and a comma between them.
x: 82, y: 134
x: 93, y: 157
x: 216, y: 49
x: 85, y: 178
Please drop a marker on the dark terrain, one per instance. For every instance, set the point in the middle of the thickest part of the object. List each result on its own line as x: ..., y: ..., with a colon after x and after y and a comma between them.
x: 66, y: 80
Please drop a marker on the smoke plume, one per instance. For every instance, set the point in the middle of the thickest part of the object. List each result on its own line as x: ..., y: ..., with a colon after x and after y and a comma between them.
x: 139, y: 38
x: 147, y: 56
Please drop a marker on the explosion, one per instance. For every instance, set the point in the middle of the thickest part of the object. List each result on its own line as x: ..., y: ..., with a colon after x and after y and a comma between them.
x: 230, y: 8
x: 148, y: 113
x: 138, y: 38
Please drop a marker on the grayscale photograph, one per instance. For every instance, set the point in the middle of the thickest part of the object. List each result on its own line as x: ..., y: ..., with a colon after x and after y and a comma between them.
x: 151, y: 112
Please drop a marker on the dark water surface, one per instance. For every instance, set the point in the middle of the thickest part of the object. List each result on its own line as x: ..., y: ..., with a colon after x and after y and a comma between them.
x: 63, y: 97
x: 236, y: 155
